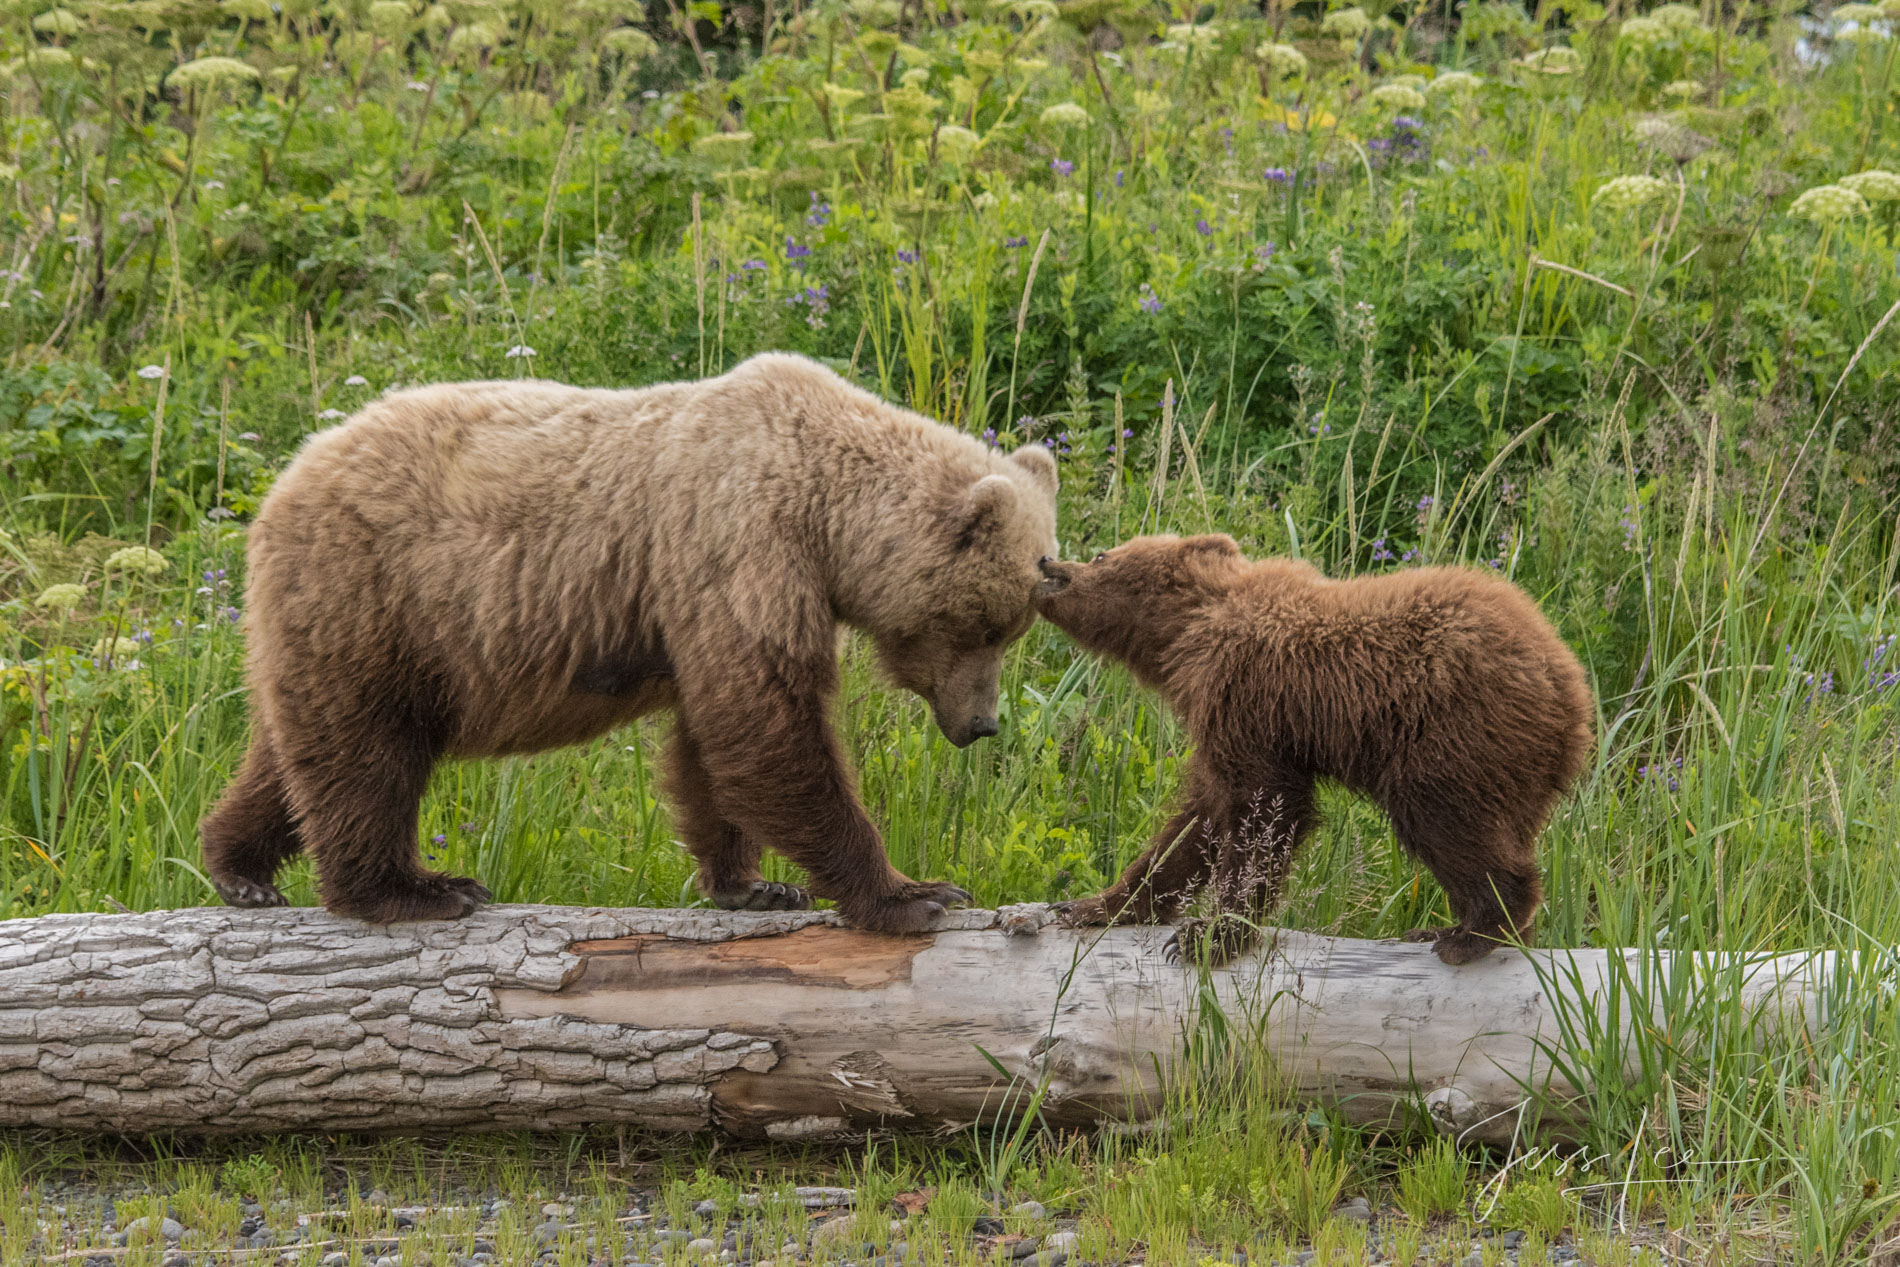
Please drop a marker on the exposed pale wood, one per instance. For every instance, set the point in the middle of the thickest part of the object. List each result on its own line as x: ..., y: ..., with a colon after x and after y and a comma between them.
x: 773, y: 1025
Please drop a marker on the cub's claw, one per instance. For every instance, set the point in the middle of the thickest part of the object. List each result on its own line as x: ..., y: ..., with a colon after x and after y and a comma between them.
x: 248, y: 893
x: 1209, y: 943
x: 1082, y: 912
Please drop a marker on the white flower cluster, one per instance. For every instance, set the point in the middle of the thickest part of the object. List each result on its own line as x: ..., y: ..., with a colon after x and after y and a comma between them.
x: 1626, y: 193
x: 1877, y: 185
x: 1346, y: 25
x: 212, y: 72
x: 141, y: 559
x: 1454, y: 81
x: 1824, y: 204
x: 1558, y: 59
x: 1283, y: 59
x: 1398, y: 97
x: 1065, y: 114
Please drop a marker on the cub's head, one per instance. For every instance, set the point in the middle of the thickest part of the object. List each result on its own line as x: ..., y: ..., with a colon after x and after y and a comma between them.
x: 1131, y: 603
x: 962, y: 595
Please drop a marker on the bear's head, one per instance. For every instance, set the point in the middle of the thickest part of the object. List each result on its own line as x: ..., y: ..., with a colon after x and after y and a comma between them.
x: 962, y: 594
x: 1131, y: 603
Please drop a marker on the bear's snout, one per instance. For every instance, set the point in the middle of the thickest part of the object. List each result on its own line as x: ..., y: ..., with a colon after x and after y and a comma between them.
x: 1056, y: 576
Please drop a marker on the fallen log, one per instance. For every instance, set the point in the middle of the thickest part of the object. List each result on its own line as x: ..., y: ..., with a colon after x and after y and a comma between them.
x: 781, y: 1025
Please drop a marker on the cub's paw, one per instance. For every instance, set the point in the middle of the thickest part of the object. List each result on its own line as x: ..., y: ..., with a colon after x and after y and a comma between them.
x: 762, y: 895
x: 1083, y: 912
x: 1209, y: 943
x: 1455, y: 945
x: 237, y: 891
x: 895, y: 914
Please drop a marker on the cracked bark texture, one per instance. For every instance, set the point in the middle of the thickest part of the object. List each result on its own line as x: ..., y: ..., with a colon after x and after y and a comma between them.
x: 775, y: 1025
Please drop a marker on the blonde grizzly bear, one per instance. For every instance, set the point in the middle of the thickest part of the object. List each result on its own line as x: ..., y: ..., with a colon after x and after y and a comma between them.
x: 489, y: 568
x: 1441, y: 693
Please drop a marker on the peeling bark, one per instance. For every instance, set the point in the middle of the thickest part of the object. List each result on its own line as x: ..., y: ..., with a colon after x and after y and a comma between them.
x: 780, y: 1025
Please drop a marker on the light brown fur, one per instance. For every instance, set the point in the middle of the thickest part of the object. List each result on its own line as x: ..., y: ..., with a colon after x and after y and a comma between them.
x: 1441, y: 693
x: 488, y: 568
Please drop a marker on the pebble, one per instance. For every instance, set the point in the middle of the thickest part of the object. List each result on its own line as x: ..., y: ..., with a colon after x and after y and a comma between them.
x: 1060, y: 1242
x: 832, y: 1231
x: 1048, y: 1258
x: 1031, y: 1210
x: 1474, y: 1259
x: 703, y: 1245
x: 405, y: 1220
x: 1025, y: 1247
x: 547, y: 1233
x: 386, y: 1261
x: 168, y: 1228
x: 175, y: 1260
x: 988, y: 1225
x: 1357, y: 1210
x: 336, y: 1258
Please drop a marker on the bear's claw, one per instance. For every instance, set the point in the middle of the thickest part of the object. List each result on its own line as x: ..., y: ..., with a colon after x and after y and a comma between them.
x: 1212, y: 942
x: 248, y: 893
x: 1082, y: 912
x: 940, y: 891
x: 763, y: 895
x: 1454, y: 945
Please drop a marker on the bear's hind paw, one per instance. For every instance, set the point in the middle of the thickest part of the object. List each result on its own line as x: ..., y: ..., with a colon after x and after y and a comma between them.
x: 248, y: 893
x: 763, y: 895
x: 895, y: 914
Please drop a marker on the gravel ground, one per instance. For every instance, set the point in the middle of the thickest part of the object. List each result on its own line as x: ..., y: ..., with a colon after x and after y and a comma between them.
x: 803, y: 1225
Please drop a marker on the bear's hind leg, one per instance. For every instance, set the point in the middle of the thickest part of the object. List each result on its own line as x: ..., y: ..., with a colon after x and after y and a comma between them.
x: 1490, y: 879
x: 251, y: 832
x: 728, y: 859
x: 358, y: 790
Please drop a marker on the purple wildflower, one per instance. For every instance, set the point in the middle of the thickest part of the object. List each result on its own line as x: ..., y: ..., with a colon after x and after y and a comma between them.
x: 1149, y: 301
x: 1205, y: 229
x: 796, y: 251
x: 1380, y: 553
x: 819, y: 213
x: 1261, y: 254
x: 1062, y: 167
x: 752, y: 266
x: 1014, y: 243
x: 1118, y: 178
x: 1277, y: 175
x: 989, y: 436
x: 907, y: 257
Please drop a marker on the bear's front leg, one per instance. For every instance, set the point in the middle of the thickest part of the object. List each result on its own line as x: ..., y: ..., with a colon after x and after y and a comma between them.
x: 768, y: 763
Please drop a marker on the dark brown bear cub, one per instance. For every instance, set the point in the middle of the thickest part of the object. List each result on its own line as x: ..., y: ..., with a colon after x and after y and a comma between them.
x: 1441, y: 693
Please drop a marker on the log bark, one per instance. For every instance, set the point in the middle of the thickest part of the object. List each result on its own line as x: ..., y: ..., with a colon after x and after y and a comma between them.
x: 780, y: 1026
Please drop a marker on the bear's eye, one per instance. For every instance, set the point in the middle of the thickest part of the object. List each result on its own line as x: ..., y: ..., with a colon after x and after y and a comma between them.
x: 1098, y: 558
x: 992, y: 636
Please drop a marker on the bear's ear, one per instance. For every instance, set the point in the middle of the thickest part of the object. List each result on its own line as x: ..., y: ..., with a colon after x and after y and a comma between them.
x: 1212, y: 544
x: 986, y: 508
x: 1039, y: 463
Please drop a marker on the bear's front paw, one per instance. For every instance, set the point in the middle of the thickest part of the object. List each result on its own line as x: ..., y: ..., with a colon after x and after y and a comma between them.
x: 433, y: 897
x: 762, y: 895
x: 250, y: 893
x: 941, y: 891
x: 1209, y: 943
x: 1082, y: 912
x: 895, y: 914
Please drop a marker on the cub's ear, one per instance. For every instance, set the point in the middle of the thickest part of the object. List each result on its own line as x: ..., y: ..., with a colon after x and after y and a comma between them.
x: 1039, y: 463
x: 986, y: 508
x: 1213, y: 544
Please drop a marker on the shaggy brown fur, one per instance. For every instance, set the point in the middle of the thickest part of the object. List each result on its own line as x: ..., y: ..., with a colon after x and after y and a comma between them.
x: 1442, y: 693
x: 490, y: 568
